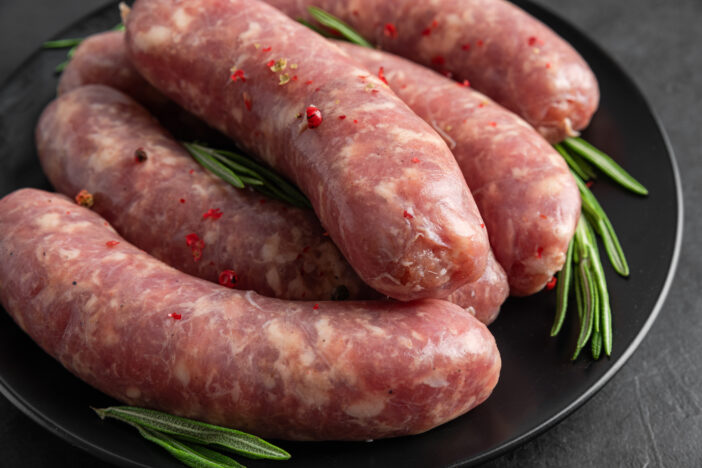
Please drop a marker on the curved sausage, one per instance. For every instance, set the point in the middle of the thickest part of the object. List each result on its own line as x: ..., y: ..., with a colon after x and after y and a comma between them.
x: 523, y: 187
x: 87, y: 138
x: 504, y: 52
x: 102, y: 59
x: 152, y: 336
x: 287, y: 95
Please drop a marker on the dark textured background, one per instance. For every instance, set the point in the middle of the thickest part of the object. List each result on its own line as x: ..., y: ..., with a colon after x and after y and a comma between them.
x: 650, y: 414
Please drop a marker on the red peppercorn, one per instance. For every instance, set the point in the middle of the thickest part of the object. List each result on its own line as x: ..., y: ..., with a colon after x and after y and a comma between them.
x: 381, y: 75
x: 213, y: 213
x: 314, y: 117
x: 551, y: 283
x: 228, y: 278
x: 238, y: 75
x: 390, y: 30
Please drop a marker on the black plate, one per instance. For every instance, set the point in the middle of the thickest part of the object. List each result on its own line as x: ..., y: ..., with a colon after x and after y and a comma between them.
x: 539, y: 385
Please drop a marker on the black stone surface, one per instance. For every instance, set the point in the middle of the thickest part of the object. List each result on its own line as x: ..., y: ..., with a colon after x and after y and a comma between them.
x: 650, y: 413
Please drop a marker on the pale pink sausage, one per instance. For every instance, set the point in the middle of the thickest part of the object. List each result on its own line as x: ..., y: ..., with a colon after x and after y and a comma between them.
x: 410, y: 230
x: 523, y: 187
x: 102, y: 59
x: 504, y: 52
x: 152, y: 336
x: 87, y: 139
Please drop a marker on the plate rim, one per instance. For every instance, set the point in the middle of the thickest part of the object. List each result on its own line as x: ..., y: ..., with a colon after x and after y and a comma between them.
x: 113, y: 457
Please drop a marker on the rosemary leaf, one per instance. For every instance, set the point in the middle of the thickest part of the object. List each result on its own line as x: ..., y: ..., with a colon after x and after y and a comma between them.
x: 214, y: 166
x: 596, y: 345
x: 186, y: 453
x: 254, y: 179
x: 603, y: 322
x: 330, y: 21
x: 213, y: 456
x: 196, y: 431
x: 588, y: 297
x: 62, y: 43
x: 603, y: 227
x: 578, y: 166
x: 229, y: 161
x: 590, y: 205
x: 584, y: 166
x: 61, y: 66
x: 589, y: 303
x: 225, y: 163
x: 606, y: 164
x: 314, y: 28
x: 565, y: 279
x: 613, y: 247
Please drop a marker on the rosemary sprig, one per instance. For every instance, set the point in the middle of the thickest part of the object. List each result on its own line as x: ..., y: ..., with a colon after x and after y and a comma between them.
x: 73, y: 44
x: 191, y: 435
x: 62, y: 43
x: 332, y: 22
x: 583, y: 258
x: 240, y: 171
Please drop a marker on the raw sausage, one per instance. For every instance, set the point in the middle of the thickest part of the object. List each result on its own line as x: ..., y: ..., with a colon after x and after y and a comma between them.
x: 152, y: 336
x: 102, y: 59
x: 505, y: 53
x: 381, y: 181
x: 523, y: 188
x: 87, y: 138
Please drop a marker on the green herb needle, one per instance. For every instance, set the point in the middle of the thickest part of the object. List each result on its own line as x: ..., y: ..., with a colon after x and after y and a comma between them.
x: 332, y: 22
x: 195, y: 431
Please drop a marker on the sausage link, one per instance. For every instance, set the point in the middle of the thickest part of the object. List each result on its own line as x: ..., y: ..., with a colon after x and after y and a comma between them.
x: 102, y: 59
x: 523, y: 187
x: 88, y: 139
x: 409, y: 230
x: 504, y: 52
x: 152, y: 336
x: 276, y: 250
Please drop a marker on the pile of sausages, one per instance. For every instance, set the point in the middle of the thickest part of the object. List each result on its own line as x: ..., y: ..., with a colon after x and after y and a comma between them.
x: 362, y: 319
